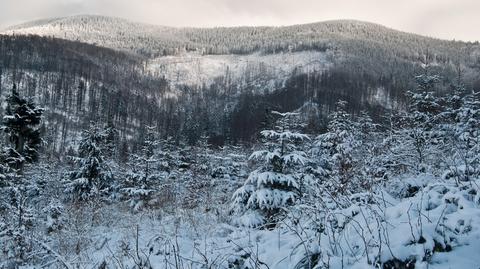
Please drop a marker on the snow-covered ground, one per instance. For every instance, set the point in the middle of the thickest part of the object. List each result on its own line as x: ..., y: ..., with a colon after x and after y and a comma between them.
x: 438, y: 227
x: 265, y: 69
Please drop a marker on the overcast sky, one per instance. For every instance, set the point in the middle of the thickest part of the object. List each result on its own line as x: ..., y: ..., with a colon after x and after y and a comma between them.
x: 448, y: 19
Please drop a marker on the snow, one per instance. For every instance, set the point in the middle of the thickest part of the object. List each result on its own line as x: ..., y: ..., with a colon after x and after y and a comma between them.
x: 304, y: 204
x: 423, y: 219
x: 442, y: 214
x: 266, y: 69
x: 264, y: 178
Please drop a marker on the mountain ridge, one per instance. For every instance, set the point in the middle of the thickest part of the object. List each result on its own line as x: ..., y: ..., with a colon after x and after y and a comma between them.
x: 43, y: 21
x: 155, y: 40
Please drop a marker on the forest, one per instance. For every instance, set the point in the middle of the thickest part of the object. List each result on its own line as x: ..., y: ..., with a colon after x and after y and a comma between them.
x: 81, y: 82
x: 371, y: 162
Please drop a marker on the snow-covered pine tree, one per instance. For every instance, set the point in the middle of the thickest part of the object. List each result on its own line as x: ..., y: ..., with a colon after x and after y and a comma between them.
x: 420, y: 135
x: 460, y: 123
x: 228, y: 172
x: 275, y: 184
x: 93, y: 174
x: 466, y: 141
x: 335, y: 149
x: 453, y: 101
x: 21, y: 126
x: 448, y: 120
x: 199, y: 183
x: 142, y: 179
x: 123, y: 152
x: 368, y: 140
x: 3, y: 172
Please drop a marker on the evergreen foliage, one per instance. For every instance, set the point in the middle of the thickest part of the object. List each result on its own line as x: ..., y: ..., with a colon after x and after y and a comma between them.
x: 336, y: 149
x: 20, y: 123
x: 275, y: 184
x: 142, y: 181
x: 92, y: 176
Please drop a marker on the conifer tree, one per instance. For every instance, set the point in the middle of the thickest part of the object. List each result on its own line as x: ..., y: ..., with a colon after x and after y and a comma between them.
x: 21, y: 126
x: 453, y: 101
x: 5, y: 170
x: 336, y: 148
x: 275, y: 184
x: 367, y: 152
x: 466, y: 140
x: 419, y: 134
x: 142, y: 179
x: 93, y: 175
x: 198, y: 184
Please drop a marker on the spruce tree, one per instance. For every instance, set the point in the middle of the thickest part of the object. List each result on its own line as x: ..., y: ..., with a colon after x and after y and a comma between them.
x: 142, y: 179
x: 368, y: 148
x: 467, y: 139
x: 199, y: 184
x: 336, y: 148
x: 420, y: 135
x: 454, y: 100
x: 275, y: 184
x: 93, y: 174
x: 21, y: 124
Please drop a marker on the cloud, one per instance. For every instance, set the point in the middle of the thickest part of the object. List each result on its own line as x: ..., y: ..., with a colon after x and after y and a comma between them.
x: 440, y: 18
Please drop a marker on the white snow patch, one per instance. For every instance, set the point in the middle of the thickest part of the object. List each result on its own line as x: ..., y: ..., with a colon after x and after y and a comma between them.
x: 255, y: 69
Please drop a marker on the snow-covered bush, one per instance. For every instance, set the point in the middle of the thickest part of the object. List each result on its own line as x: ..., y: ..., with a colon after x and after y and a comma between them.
x: 18, y: 219
x: 420, y: 230
x: 54, y: 216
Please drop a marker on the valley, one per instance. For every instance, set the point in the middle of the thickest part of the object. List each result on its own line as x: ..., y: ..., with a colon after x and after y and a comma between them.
x: 337, y: 144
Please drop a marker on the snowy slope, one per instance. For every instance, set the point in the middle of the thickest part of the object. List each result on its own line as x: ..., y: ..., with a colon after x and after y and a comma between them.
x: 196, y: 69
x: 159, y: 40
x: 361, y: 46
x: 103, y: 31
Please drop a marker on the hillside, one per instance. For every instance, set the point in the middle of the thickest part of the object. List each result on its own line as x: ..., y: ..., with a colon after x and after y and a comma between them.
x: 78, y: 83
x: 357, y: 46
x: 333, y: 145
x: 160, y: 40
x: 192, y: 75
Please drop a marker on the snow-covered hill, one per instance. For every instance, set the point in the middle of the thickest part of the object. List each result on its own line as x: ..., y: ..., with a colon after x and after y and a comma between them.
x: 367, y: 64
x: 103, y: 31
x: 175, y: 53
x: 199, y: 55
x: 364, y: 47
x: 155, y: 40
x: 147, y: 132
x: 265, y: 69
